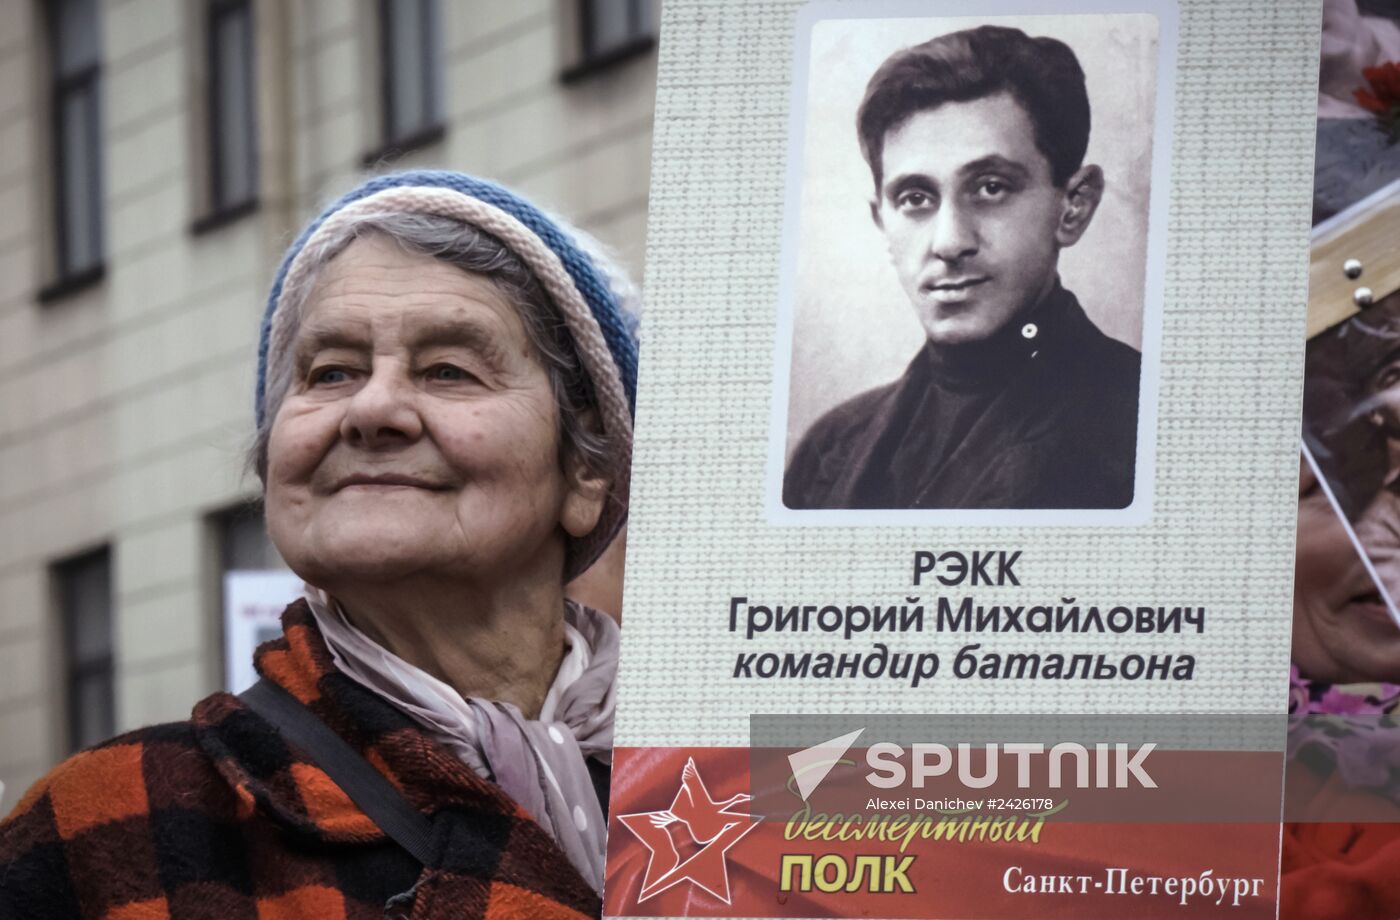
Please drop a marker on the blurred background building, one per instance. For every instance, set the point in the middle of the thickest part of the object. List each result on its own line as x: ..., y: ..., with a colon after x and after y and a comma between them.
x: 156, y: 157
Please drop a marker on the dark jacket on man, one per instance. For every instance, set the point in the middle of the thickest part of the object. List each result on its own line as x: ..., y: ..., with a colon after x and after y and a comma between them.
x: 1042, y: 415
x: 219, y: 817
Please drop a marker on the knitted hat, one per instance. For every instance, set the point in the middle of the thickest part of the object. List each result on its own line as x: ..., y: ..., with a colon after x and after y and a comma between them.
x: 586, y: 290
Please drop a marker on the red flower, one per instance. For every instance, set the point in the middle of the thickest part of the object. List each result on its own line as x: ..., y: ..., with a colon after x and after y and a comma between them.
x: 1383, y: 98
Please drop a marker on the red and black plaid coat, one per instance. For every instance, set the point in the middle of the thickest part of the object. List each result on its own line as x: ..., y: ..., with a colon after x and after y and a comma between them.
x: 217, y: 817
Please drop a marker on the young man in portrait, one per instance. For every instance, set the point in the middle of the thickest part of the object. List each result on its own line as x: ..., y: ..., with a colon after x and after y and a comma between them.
x: 976, y: 143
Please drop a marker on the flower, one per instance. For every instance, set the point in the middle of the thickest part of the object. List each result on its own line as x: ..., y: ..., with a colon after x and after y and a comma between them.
x: 1299, y: 693
x: 1383, y: 97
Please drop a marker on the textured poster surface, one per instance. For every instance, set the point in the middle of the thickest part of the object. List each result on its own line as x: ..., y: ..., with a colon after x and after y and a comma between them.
x: 970, y: 385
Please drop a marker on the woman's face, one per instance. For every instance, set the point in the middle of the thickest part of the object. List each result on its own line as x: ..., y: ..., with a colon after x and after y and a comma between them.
x: 1342, y: 630
x: 419, y: 434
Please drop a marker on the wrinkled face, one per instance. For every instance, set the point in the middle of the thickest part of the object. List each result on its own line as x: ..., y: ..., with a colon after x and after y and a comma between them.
x: 419, y: 434
x: 970, y: 214
x: 1342, y: 630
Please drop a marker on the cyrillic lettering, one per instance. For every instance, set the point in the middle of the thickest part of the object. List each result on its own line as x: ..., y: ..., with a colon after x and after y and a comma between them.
x: 791, y: 861
x: 1157, y: 667
x: 1169, y: 620
x: 924, y: 561
x: 883, y: 654
x: 1006, y: 568
x: 865, y: 866
x: 1038, y: 619
x: 760, y: 619
x: 911, y: 619
x: 988, y: 619
x: 1079, y: 663
x: 794, y: 666
x: 786, y: 620
x: 947, y: 827
x: 895, y: 875
x: 1066, y: 620
x: 1018, y: 666
x: 965, y: 664
x: 857, y: 614
x: 1093, y: 621
x: 827, y: 881
x: 1122, y: 881
x: 883, y: 619
x: 1013, y: 619
x: 1120, y: 619
x: 797, y: 822
x: 959, y: 569
x: 948, y: 621
x: 979, y: 568
x: 925, y: 667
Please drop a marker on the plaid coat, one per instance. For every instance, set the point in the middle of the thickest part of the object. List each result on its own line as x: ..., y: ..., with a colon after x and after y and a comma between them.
x: 217, y: 817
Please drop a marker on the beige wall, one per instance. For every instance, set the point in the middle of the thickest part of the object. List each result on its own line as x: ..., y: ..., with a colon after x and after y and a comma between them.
x: 125, y: 406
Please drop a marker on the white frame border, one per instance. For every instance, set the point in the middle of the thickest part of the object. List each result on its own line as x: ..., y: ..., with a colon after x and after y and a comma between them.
x: 1139, y: 512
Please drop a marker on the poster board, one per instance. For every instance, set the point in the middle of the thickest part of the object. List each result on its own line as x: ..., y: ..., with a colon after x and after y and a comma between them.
x: 758, y: 620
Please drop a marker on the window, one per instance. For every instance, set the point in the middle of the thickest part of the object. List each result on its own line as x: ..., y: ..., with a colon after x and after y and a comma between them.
x: 232, y: 112
x: 85, y: 604
x: 611, y: 31
x: 74, y: 98
x: 411, y: 75
x: 254, y: 585
x: 243, y: 540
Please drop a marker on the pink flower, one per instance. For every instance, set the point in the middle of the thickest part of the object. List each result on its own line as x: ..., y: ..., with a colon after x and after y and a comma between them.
x: 1336, y: 702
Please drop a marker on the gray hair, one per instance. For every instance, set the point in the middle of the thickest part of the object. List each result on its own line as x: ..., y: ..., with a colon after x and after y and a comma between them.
x: 480, y: 253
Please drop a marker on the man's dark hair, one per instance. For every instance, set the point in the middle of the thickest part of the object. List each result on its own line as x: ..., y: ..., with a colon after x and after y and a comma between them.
x: 1042, y: 74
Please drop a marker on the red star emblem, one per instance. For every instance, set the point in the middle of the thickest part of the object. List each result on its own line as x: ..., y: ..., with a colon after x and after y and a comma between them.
x: 703, y: 828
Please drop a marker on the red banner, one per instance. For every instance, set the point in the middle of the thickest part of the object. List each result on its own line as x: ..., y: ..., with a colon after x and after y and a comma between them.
x: 684, y: 841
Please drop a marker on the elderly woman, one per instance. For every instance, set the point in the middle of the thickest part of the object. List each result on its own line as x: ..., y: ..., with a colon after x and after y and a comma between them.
x: 1342, y: 629
x: 443, y: 430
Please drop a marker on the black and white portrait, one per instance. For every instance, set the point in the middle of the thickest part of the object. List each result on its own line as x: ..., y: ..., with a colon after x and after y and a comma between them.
x: 966, y: 296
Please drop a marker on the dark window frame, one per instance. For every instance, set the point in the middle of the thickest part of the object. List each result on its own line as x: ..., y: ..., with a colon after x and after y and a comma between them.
x: 78, y: 670
x: 393, y: 142
x: 639, y: 40
x: 222, y: 209
x: 84, y: 81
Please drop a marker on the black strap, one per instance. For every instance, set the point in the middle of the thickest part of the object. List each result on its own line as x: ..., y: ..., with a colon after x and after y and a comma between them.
x: 601, y: 774
x: 357, y: 777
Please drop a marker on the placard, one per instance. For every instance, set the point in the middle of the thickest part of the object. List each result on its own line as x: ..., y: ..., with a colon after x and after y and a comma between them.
x: 948, y: 409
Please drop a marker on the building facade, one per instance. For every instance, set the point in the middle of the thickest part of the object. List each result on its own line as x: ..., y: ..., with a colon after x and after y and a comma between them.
x: 156, y: 157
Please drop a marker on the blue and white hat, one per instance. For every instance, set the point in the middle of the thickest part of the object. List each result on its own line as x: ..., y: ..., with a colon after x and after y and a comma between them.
x: 590, y: 293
